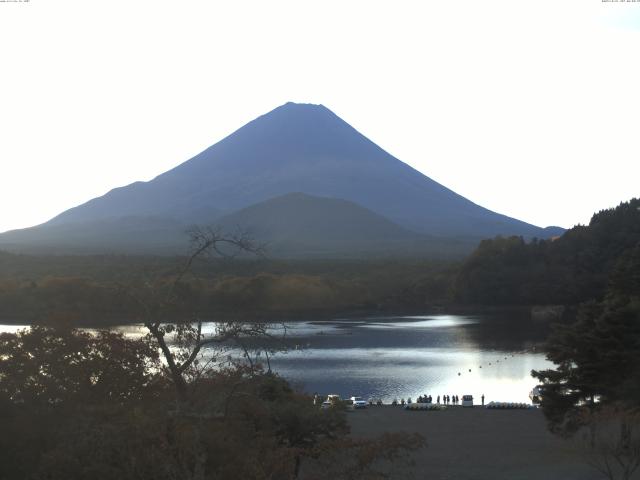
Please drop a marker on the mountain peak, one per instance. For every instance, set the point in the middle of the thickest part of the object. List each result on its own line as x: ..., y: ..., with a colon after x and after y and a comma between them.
x: 307, y: 106
x: 293, y: 110
x: 300, y: 131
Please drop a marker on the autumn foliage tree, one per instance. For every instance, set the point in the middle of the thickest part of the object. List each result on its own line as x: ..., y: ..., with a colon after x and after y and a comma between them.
x: 52, y: 379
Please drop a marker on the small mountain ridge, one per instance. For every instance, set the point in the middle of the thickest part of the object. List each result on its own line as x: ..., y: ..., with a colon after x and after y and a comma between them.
x: 297, y: 224
x: 305, y: 217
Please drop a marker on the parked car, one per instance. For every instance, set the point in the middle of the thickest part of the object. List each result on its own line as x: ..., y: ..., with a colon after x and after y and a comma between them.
x: 358, y: 402
x: 467, y: 400
x: 332, y: 400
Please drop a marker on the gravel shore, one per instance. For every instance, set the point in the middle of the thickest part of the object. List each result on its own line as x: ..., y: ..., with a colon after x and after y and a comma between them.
x: 478, y: 443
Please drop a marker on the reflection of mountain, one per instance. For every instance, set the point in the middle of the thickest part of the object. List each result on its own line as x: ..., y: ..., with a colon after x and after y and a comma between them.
x: 294, y: 148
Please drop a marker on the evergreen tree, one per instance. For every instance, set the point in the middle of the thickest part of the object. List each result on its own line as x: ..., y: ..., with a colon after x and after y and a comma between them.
x: 569, y: 270
x: 598, y: 356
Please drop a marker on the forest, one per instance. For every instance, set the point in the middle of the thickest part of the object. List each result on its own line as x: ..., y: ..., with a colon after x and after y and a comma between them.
x: 568, y: 270
x: 89, y: 290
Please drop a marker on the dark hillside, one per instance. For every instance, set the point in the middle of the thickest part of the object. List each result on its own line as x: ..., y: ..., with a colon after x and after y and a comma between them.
x: 300, y: 225
x: 569, y: 270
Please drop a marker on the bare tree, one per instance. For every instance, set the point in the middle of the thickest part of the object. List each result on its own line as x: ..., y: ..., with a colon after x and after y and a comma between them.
x: 177, y: 330
x: 610, y: 442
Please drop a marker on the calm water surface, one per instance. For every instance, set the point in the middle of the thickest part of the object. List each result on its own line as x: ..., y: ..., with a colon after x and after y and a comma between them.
x: 401, y: 357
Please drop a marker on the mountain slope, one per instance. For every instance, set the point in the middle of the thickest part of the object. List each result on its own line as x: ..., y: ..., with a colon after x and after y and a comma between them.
x: 300, y: 148
x: 130, y: 234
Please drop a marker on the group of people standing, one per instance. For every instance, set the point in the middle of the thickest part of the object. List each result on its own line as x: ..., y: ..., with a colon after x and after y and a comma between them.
x: 446, y: 399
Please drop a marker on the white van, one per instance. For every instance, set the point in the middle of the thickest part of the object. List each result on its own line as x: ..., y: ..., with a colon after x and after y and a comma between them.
x: 467, y: 400
x: 331, y: 401
x: 358, y: 402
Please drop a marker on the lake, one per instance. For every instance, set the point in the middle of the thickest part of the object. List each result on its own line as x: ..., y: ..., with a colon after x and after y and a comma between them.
x: 402, y: 357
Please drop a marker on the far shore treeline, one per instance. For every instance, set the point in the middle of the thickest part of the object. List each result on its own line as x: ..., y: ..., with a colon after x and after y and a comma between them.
x: 501, y: 272
x: 93, y: 290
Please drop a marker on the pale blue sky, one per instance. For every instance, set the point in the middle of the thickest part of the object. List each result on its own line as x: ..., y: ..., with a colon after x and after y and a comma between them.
x: 527, y: 108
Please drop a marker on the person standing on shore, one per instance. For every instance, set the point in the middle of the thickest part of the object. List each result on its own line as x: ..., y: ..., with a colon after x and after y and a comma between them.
x: 482, y: 397
x: 438, y: 399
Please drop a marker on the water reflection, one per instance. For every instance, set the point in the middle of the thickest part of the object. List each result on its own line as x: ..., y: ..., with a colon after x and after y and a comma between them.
x: 401, y: 357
